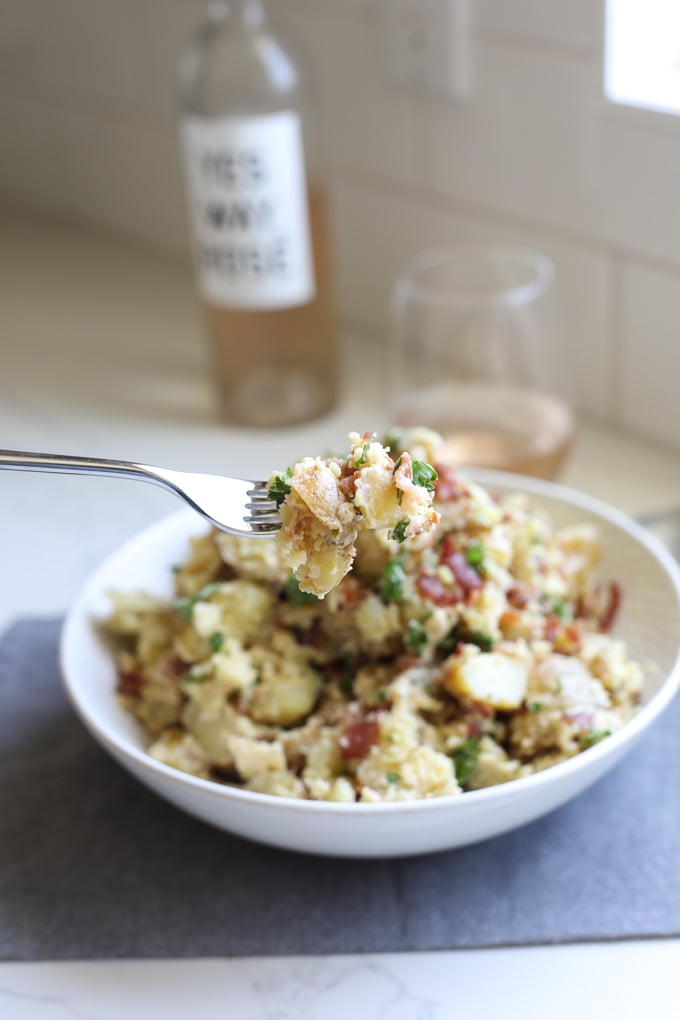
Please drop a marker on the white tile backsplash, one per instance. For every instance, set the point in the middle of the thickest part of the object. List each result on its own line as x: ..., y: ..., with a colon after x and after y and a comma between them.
x: 167, y: 25
x: 36, y: 152
x: 634, y: 176
x: 369, y: 125
x: 89, y: 50
x: 651, y: 353
x: 537, y: 156
x: 571, y: 23
x: 128, y: 179
x: 522, y: 144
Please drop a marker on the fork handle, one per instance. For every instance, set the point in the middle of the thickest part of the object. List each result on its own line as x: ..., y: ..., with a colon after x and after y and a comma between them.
x: 15, y: 460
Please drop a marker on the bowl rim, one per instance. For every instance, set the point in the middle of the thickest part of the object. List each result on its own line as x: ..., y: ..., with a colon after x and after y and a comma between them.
x: 79, y: 615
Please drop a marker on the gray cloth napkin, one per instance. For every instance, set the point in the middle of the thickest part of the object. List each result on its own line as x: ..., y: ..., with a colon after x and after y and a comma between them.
x: 92, y: 865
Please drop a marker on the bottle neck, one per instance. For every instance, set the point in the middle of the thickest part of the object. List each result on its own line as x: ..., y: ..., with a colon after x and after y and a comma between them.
x: 249, y: 13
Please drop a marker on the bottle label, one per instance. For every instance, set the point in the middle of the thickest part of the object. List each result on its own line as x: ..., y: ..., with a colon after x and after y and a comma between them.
x: 249, y: 213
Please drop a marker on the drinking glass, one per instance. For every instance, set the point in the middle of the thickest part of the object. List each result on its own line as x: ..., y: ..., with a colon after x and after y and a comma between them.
x: 475, y: 355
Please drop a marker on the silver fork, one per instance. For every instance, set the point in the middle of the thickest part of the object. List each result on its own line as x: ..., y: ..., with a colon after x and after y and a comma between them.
x: 235, y: 505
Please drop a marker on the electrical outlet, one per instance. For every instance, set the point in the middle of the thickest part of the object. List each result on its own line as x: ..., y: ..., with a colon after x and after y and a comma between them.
x: 428, y: 44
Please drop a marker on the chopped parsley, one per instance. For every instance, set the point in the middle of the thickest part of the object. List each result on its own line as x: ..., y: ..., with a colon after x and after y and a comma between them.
x: 465, y: 758
x: 393, y: 577
x: 424, y: 474
x: 393, y: 777
x: 216, y: 641
x: 364, y: 456
x: 347, y: 679
x: 483, y: 641
x: 475, y: 555
x: 593, y: 737
x: 279, y: 488
x: 398, y: 533
x: 295, y: 595
x: 559, y: 686
x: 416, y: 636
x: 190, y: 678
x: 561, y: 609
x: 393, y: 439
x: 185, y: 605
x: 534, y: 707
x: 450, y: 641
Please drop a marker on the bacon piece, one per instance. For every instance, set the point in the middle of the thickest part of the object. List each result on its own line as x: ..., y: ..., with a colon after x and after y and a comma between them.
x: 171, y: 666
x: 430, y: 587
x: 520, y: 595
x: 358, y: 738
x: 568, y: 640
x: 611, y: 610
x: 580, y: 720
x: 476, y: 728
x: 129, y: 683
x: 348, y: 485
x: 553, y: 625
x: 486, y: 710
x: 351, y: 596
x: 447, y: 486
x: 509, y: 620
x: 466, y: 576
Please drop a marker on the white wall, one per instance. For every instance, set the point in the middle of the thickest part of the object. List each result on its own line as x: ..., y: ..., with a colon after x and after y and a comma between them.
x: 538, y: 156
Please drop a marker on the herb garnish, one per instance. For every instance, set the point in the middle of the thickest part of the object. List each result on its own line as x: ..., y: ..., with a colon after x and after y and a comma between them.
x: 216, y: 641
x: 393, y: 577
x: 593, y: 737
x: 190, y: 678
x: 295, y: 595
x: 424, y: 474
x: 364, y: 456
x: 398, y: 533
x: 465, y: 758
x: 475, y: 555
x: 279, y: 488
x: 185, y: 605
x: 534, y: 707
x: 483, y: 641
x: 416, y: 637
x: 451, y: 640
x: 393, y: 777
x: 392, y: 440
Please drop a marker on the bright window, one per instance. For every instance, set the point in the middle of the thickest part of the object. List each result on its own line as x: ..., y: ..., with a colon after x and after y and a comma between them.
x: 642, y: 53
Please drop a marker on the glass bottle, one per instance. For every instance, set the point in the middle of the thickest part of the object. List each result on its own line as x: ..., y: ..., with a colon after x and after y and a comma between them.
x: 259, y: 218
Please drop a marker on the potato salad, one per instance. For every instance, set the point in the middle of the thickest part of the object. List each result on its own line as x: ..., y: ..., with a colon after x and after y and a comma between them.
x: 469, y: 644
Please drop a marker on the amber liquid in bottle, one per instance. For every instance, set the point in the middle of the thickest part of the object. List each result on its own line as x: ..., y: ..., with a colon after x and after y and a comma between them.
x: 278, y: 366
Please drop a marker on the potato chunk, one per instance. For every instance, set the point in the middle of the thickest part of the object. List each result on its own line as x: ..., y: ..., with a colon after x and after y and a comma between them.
x: 489, y: 678
x: 324, y: 502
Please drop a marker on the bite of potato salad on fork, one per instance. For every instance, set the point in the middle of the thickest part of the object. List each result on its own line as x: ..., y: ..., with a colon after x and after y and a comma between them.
x: 324, y: 502
x: 469, y: 644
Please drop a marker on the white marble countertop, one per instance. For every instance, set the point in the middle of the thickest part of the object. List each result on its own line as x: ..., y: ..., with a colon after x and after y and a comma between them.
x: 102, y: 355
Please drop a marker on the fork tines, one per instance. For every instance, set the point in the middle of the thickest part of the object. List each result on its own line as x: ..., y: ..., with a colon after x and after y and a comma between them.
x: 264, y: 515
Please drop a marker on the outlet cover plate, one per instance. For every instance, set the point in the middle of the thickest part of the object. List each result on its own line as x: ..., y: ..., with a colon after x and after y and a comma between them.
x: 428, y: 46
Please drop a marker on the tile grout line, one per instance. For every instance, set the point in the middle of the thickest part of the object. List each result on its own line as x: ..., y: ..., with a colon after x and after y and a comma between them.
x: 615, y: 334
x: 439, y: 202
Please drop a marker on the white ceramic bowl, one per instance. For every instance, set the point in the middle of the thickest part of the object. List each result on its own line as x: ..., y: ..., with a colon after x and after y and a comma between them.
x: 649, y: 621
